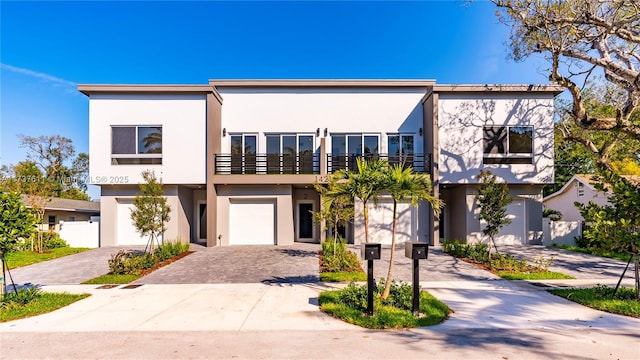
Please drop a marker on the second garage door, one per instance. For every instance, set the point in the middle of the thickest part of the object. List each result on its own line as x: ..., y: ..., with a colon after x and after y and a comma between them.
x: 252, y: 222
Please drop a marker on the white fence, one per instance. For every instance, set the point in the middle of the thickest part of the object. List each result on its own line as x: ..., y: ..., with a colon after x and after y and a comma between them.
x: 81, y: 233
x: 560, y: 232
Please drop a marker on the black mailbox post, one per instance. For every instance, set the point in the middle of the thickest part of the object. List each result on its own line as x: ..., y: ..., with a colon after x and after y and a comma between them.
x: 370, y: 252
x: 416, y: 251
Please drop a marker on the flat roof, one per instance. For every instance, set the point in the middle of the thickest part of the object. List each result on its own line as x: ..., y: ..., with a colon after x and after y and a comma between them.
x: 471, y: 88
x: 321, y: 83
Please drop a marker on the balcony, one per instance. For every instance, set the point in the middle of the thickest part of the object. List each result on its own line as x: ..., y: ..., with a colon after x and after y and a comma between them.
x: 303, y: 164
x: 267, y: 164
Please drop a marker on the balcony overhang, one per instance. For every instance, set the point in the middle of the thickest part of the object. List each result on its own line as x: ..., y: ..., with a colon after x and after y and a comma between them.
x: 268, y: 179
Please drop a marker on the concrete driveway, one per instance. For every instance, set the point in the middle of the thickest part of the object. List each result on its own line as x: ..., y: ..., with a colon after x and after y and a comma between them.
x: 297, y: 263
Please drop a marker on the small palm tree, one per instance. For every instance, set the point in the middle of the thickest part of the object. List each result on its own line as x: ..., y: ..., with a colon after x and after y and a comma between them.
x: 365, y: 184
x: 403, y: 184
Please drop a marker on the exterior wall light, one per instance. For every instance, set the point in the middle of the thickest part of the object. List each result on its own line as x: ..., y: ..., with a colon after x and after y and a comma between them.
x: 420, y: 132
x: 326, y: 132
x: 224, y: 132
x: 318, y: 132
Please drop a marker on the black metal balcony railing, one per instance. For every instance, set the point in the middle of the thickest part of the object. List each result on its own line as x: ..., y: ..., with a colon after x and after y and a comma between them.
x: 420, y: 163
x: 308, y: 164
x: 267, y: 164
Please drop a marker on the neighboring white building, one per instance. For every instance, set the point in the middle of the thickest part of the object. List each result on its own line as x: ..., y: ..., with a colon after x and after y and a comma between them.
x: 578, y: 189
x: 238, y: 159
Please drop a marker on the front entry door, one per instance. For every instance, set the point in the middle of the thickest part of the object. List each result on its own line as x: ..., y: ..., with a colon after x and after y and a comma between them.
x: 305, y: 222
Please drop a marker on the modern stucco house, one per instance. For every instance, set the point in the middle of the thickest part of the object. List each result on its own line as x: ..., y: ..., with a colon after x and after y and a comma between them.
x: 238, y: 158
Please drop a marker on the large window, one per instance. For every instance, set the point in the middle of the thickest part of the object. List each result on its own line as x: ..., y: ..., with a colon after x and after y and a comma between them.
x: 345, y: 148
x: 508, y: 144
x: 290, y: 154
x: 243, y: 153
x: 136, y: 145
x: 400, y: 149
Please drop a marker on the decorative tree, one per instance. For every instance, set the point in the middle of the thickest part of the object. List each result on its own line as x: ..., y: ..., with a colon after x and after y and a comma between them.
x: 336, y: 209
x: 615, y: 227
x: 151, y: 211
x: 403, y: 184
x: 492, y: 200
x: 365, y: 184
x: 582, y: 39
x: 16, y: 222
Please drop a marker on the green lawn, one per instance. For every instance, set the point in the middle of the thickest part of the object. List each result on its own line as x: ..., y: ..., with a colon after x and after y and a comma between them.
x: 42, y: 304
x: 542, y: 275
x: 601, y: 298
x: 112, y: 279
x: 343, y: 276
x: 24, y: 258
x: 608, y: 254
x: 432, y: 312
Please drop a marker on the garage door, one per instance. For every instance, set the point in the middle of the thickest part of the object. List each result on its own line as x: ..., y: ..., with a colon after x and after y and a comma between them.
x: 381, y: 222
x: 127, y: 234
x: 252, y: 222
x: 513, y: 234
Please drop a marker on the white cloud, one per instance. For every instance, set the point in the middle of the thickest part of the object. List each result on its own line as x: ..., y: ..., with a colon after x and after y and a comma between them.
x: 46, y: 77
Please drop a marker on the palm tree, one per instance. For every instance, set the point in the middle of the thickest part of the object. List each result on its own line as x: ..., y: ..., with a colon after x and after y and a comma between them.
x: 365, y: 184
x: 403, y: 184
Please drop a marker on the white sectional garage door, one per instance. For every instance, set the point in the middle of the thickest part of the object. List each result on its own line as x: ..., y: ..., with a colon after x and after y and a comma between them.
x: 127, y: 234
x: 252, y: 222
x: 381, y: 222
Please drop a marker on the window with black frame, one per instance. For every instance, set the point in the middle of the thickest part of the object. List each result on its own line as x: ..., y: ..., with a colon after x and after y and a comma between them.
x: 136, y: 145
x: 508, y: 144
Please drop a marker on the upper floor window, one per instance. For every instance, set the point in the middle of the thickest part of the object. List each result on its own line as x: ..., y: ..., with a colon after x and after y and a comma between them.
x: 136, y: 145
x: 290, y: 154
x: 354, y: 144
x: 508, y: 144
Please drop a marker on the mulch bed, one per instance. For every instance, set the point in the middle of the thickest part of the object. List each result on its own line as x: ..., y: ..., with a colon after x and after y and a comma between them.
x: 157, y: 266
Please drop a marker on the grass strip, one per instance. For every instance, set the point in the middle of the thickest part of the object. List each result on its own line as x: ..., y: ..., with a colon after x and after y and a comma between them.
x: 432, y: 312
x: 112, y: 279
x: 24, y: 258
x: 542, y: 275
x: 601, y: 298
x: 342, y: 276
x: 47, y: 302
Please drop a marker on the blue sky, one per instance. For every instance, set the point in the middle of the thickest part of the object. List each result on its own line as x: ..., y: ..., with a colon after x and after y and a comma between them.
x: 47, y: 48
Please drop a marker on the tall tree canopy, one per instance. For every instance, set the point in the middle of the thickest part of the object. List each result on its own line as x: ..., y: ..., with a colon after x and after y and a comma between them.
x: 585, y: 40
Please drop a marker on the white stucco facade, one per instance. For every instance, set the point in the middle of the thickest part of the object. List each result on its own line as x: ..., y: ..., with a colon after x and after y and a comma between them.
x: 182, y: 118
x: 461, y: 120
x: 222, y: 185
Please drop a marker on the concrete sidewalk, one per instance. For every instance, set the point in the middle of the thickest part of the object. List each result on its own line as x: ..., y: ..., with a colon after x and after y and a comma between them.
x: 493, y: 304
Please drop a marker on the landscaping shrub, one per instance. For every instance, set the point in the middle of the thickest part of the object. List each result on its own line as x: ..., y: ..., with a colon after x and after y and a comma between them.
x: 342, y: 260
x: 21, y: 297
x: 169, y: 249
x: 401, y: 295
x: 48, y: 240
x: 508, y: 263
x: 133, y: 262
x: 125, y: 262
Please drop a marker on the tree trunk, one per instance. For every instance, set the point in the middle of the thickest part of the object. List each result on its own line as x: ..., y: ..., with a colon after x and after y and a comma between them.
x: 366, y: 223
x: 637, y: 273
x: 387, y: 284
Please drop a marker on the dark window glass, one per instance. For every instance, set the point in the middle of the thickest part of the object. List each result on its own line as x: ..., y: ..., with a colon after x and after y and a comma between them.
x: 520, y: 140
x: 407, y: 144
x: 338, y: 144
x: 494, y: 139
x: 250, y: 144
x: 149, y: 140
x: 236, y: 144
x: 123, y: 140
x: 393, y: 144
x: 370, y: 144
x: 355, y: 144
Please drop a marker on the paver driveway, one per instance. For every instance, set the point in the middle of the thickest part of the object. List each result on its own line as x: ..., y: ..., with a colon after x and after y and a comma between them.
x: 297, y: 263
